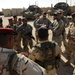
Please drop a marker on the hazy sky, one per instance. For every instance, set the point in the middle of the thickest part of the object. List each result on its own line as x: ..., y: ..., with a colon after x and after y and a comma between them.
x: 26, y: 3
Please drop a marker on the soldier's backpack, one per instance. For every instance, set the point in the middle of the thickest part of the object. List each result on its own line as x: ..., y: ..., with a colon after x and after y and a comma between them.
x: 48, y: 49
x: 30, y: 67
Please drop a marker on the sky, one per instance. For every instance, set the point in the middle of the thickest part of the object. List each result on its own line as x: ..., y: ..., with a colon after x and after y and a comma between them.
x: 25, y: 3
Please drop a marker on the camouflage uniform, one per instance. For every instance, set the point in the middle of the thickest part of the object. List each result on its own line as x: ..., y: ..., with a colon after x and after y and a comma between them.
x: 26, y: 34
x: 45, y: 57
x: 64, y: 18
x: 43, y: 21
x: 17, y: 38
x: 70, y: 45
x: 35, y: 25
x: 58, y: 27
x: 66, y: 24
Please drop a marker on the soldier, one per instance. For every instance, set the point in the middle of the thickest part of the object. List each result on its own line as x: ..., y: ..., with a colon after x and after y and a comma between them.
x: 19, y: 21
x: 64, y: 18
x: 15, y: 19
x: 58, y: 28
x: 17, y: 44
x: 70, y: 45
x: 25, y: 30
x: 10, y: 25
x: 44, y: 21
x: 37, y: 16
x: 12, y: 63
x: 18, y: 38
x: 1, y: 23
x: 46, y: 53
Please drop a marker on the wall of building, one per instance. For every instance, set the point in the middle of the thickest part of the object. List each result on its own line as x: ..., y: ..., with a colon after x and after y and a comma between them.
x: 12, y: 12
x: 6, y: 12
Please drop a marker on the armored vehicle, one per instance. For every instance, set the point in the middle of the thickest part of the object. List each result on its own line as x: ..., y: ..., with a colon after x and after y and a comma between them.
x: 64, y: 6
x: 31, y: 11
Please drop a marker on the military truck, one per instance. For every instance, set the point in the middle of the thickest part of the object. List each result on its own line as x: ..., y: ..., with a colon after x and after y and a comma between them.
x: 31, y: 11
x: 64, y: 6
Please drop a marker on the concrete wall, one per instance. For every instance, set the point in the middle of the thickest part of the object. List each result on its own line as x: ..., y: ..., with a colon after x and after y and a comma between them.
x: 11, y: 12
x: 16, y: 11
x: 7, y: 12
x: 19, y: 11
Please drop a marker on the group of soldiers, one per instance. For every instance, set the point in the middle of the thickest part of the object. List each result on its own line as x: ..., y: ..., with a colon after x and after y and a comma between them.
x: 58, y: 28
x: 22, y: 31
x: 45, y: 53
